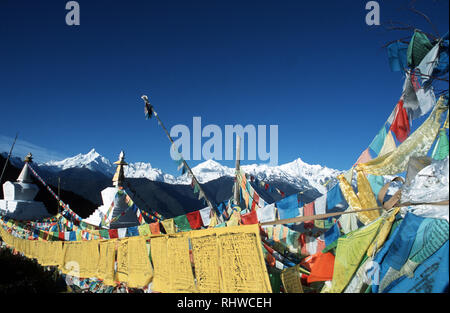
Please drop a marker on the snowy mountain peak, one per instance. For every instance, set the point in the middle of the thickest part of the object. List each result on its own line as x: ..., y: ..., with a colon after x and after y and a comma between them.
x: 91, y: 160
x: 207, y: 171
x: 93, y: 153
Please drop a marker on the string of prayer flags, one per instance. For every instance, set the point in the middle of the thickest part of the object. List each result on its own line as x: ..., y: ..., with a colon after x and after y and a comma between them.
x: 66, y: 209
x: 416, y: 145
x: 265, y: 185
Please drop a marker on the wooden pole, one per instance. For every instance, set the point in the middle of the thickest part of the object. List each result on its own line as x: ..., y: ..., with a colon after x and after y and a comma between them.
x: 59, y: 192
x: 210, y: 204
x: 59, y: 198
x: 238, y: 167
x: 300, y: 219
x: 7, y: 159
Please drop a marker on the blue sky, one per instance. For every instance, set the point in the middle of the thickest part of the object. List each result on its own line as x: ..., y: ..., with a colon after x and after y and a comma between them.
x: 315, y: 69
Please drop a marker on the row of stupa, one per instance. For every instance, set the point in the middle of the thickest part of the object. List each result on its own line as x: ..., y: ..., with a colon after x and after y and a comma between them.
x: 19, y: 203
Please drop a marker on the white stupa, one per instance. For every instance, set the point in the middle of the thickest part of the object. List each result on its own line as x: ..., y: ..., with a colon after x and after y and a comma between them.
x: 129, y: 219
x: 19, y: 197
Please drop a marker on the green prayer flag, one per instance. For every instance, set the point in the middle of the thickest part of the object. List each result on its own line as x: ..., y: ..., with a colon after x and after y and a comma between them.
x: 196, y: 188
x: 378, y: 141
x: 440, y: 151
x: 182, y: 223
x: 104, y: 233
x: 418, y: 48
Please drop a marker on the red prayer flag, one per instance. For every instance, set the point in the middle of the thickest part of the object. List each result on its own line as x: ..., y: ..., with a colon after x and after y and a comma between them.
x: 400, y: 125
x: 249, y: 218
x: 113, y: 233
x: 255, y: 201
x: 195, y: 219
x: 308, y: 210
x: 321, y: 266
x: 270, y: 260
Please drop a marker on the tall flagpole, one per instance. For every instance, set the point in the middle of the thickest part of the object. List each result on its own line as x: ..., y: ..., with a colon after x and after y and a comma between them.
x: 151, y: 110
x: 7, y: 159
x: 238, y: 166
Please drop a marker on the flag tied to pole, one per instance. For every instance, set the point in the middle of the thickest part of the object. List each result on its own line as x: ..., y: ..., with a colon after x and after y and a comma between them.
x: 148, y: 108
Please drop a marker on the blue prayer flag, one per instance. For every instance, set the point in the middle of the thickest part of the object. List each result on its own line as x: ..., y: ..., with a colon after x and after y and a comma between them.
x: 332, y: 234
x: 288, y: 207
x: 334, y: 197
x: 132, y: 231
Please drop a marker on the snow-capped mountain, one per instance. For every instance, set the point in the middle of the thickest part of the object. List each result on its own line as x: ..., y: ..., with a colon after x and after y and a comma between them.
x: 145, y: 170
x: 296, y: 173
x: 91, y: 160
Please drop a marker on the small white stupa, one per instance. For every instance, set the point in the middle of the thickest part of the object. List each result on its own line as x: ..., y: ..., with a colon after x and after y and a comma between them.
x: 19, y: 197
x: 129, y: 219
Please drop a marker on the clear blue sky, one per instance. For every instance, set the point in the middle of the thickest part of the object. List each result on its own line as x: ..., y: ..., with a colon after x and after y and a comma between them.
x: 314, y: 68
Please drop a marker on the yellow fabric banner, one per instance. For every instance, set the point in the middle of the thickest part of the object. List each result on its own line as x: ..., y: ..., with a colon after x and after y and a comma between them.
x: 172, y: 265
x: 52, y: 254
x: 206, y: 259
x: 364, y: 200
x: 383, y: 233
x: 133, y: 263
x: 242, y: 266
x: 228, y: 259
x: 81, y: 258
x: 416, y: 145
x: 140, y: 271
x: 107, y: 257
x: 349, y: 253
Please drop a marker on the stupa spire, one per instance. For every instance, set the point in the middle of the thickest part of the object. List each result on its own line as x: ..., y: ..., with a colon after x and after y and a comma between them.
x: 25, y: 176
x: 119, y: 176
